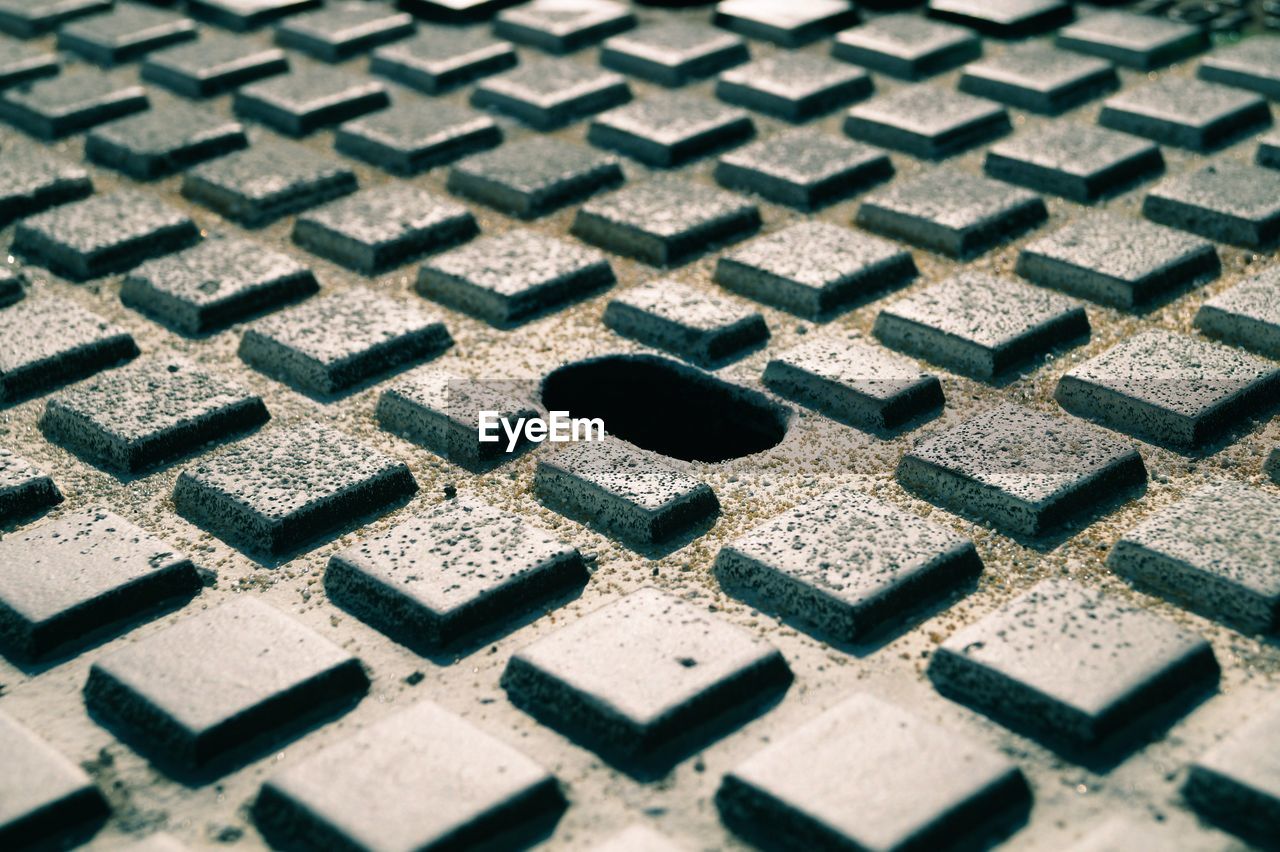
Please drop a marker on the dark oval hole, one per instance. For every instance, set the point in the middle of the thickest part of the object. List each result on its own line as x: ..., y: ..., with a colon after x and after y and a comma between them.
x: 667, y: 407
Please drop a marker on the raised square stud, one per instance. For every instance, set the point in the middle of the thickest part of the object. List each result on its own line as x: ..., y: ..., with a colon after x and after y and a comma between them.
x: 458, y: 568
x: 952, y: 212
x: 846, y: 565
x: 804, y: 169
x: 281, y: 490
x: 245, y: 15
x: 1271, y: 467
x: 67, y: 104
x: 213, y: 65
x: 103, y: 234
x: 1213, y: 552
x: 1023, y: 472
x: 907, y: 46
x: 22, y: 63
x: 46, y: 342
x: 1227, y: 202
x: 563, y: 26
x: 447, y: 781
x: 1186, y: 113
x: 674, y: 53
x: 671, y: 129
x: 303, y: 101
x: 1170, y: 389
x: 25, y: 490
x: 1246, y: 315
x: 342, y: 30
x: 198, y: 714
x: 507, y: 279
x: 1142, y: 42
x: 413, y: 135
x: 851, y: 779
x: 1268, y: 153
x: 1004, y: 18
x: 438, y: 59
x: 455, y: 11
x: 548, y: 93
x: 74, y: 582
x: 220, y: 281
x: 814, y: 269
x: 148, y: 414
x: 383, y: 227
x: 858, y: 384
x: 12, y: 286
x: 664, y: 222
x: 1040, y: 78
x: 927, y: 122
x: 1236, y: 784
x: 124, y: 34
x: 536, y: 176
x: 30, y: 18
x: 1082, y: 163
x: 787, y: 24
x: 268, y: 181
x: 793, y: 86
x: 32, y: 181
x: 1118, y: 261
x: 48, y: 801
x: 1071, y: 666
x: 637, y: 837
x: 981, y: 325
x: 161, y: 142
x: 645, y: 679
x: 629, y: 494
x: 1252, y: 64
x: 332, y: 344
x: 684, y: 321
x: 441, y: 411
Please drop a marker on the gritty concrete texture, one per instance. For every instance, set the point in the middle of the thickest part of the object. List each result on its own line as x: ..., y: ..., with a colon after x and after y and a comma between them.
x: 511, y: 278
x: 424, y: 778
x: 242, y: 15
x: 1132, y: 40
x: 438, y: 60
x: 305, y: 100
x: 1230, y: 203
x: 850, y: 778
x: 1213, y: 552
x: 563, y: 26
x: 1021, y: 471
x: 1171, y: 389
x: 343, y: 30
x: 48, y: 342
x: 29, y: 18
x: 664, y: 222
x: 534, y: 177
x: 794, y: 87
x: 546, y: 94
x: 854, y: 382
x: 1237, y: 783
x: 383, y: 227
x: 1004, y: 18
x: 907, y: 46
x: 1040, y: 78
x: 212, y: 66
x: 1186, y: 113
x: 20, y: 63
x: 286, y: 487
x: 926, y: 122
x: 218, y: 282
x: 670, y: 129
x: 1246, y: 315
x: 160, y: 142
x: 1125, y: 263
x: 673, y: 54
x: 1083, y: 164
x: 71, y: 581
x: 1071, y: 666
x: 684, y: 673
x: 803, y: 169
x: 32, y: 181
x: 46, y: 796
x: 951, y: 212
x: 60, y: 106
x: 25, y: 490
x: 124, y: 34
x: 628, y: 493
x: 1253, y: 64
x: 190, y: 710
x: 148, y: 413
x: 846, y: 564
x: 459, y: 568
x: 814, y: 269
x: 786, y: 25
x: 679, y: 319
x: 331, y: 344
x: 407, y: 138
x: 982, y: 326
